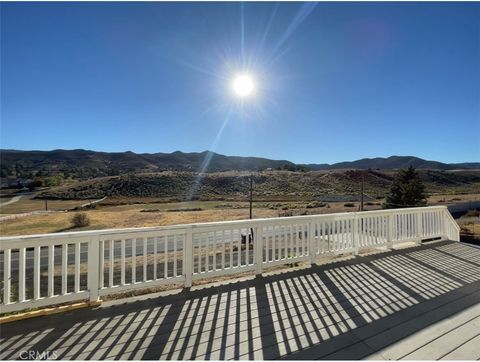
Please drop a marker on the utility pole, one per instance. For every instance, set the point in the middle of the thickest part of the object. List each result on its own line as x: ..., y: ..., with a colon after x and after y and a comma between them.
x: 46, y: 205
x: 361, y: 196
x: 251, y: 197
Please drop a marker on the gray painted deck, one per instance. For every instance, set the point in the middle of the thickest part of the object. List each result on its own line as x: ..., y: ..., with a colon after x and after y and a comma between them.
x: 416, y: 303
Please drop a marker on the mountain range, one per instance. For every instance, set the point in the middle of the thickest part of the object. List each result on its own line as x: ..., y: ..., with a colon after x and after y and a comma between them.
x: 87, y: 164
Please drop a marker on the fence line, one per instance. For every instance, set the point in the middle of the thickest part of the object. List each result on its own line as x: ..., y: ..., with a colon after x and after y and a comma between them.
x: 47, y: 269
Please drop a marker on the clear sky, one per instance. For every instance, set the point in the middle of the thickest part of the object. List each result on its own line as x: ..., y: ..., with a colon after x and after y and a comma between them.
x: 333, y: 81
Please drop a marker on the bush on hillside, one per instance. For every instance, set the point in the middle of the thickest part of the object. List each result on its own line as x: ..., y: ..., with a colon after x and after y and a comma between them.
x: 80, y: 220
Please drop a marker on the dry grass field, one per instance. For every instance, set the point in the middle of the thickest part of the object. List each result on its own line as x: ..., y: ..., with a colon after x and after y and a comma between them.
x: 27, y: 204
x: 141, y: 212
x: 132, y: 216
x: 470, y: 227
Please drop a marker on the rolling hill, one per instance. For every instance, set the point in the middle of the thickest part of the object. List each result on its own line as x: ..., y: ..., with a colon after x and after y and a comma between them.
x: 86, y: 164
x: 269, y: 185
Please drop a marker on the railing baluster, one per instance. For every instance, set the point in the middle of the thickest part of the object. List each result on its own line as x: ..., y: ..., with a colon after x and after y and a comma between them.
x: 188, y: 257
x: 371, y: 238
x: 321, y: 236
x: 250, y: 237
x: 102, y: 264
x: 288, y: 240
x: 134, y: 260
x: 145, y: 240
x: 111, y: 257
x: 77, y: 267
x: 384, y: 220
x: 21, y: 275
x: 165, y: 266
x: 197, y: 253
x: 434, y: 230
x: 223, y: 249
x: 274, y: 243
x: 329, y: 241
x: 207, y: 253
x: 122, y: 261
x: 51, y: 260
x: 258, y: 257
x: 231, y: 249
x: 36, y: 273
x: 336, y: 235
x: 409, y: 225
x: 304, y: 241
x: 7, y: 276
x: 64, y: 269
x: 267, y: 244
x: 175, y: 255
x: 239, y: 249
x: 155, y: 258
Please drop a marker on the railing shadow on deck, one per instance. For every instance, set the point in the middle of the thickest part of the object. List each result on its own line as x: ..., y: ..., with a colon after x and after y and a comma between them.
x: 320, y: 312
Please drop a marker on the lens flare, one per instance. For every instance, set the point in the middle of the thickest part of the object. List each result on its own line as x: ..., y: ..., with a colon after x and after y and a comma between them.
x: 243, y: 85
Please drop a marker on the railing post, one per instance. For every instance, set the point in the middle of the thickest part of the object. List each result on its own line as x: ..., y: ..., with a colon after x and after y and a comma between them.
x: 390, y: 218
x: 445, y: 225
x: 355, y: 236
x: 93, y: 264
x: 312, y: 252
x: 419, y: 228
x: 188, y: 257
x: 258, y: 244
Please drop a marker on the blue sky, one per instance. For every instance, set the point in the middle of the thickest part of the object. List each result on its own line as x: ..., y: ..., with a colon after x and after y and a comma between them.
x: 334, y: 81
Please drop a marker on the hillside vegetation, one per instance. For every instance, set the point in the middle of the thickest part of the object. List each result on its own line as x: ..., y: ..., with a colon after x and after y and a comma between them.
x: 85, y: 164
x: 271, y: 185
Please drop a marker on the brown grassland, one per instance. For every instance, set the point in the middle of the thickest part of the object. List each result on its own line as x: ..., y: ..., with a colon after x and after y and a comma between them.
x: 125, y: 212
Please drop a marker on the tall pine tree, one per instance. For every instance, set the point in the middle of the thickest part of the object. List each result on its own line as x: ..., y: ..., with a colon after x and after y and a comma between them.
x: 407, y: 190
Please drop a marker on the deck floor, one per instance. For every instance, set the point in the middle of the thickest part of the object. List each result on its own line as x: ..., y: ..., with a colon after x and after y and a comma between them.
x: 415, y: 303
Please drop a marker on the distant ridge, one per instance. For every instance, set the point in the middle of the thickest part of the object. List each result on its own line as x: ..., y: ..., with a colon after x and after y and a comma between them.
x: 395, y: 162
x: 87, y: 164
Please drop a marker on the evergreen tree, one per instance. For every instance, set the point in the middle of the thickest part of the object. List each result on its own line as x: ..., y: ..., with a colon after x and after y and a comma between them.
x: 407, y: 190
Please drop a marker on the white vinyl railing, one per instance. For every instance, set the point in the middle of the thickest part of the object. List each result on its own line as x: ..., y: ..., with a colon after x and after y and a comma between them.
x: 41, y: 270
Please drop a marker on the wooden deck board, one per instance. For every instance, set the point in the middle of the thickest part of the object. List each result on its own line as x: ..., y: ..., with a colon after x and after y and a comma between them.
x: 469, y: 348
x: 448, y: 342
x: 418, y: 340
x: 388, y: 305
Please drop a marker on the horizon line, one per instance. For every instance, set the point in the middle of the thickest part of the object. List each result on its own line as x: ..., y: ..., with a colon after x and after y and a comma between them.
x: 221, y: 154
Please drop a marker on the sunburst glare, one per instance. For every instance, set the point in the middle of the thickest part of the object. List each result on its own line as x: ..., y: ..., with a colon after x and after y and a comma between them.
x: 243, y: 85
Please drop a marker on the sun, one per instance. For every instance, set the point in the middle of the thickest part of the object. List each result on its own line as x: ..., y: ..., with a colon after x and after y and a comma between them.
x: 243, y: 85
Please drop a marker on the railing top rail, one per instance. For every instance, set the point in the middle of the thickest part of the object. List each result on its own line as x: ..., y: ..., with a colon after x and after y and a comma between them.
x: 193, y: 226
